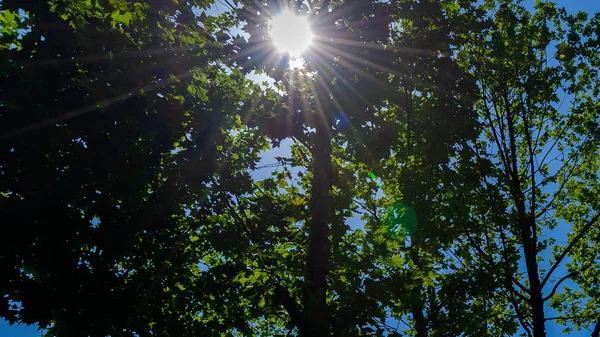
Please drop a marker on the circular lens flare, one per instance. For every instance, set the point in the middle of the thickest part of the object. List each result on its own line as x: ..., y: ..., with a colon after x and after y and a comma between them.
x: 399, y: 221
x: 290, y: 33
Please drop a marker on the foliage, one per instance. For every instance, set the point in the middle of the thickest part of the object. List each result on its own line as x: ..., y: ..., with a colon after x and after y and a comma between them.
x: 114, y: 127
x: 131, y: 141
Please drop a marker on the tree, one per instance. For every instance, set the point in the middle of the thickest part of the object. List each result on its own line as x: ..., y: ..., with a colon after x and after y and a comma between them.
x: 112, y: 124
x: 537, y: 158
x: 414, y: 146
x: 346, y: 24
x: 373, y: 90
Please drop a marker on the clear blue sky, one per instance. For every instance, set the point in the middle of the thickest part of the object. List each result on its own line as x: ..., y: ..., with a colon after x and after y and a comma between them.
x: 590, y: 6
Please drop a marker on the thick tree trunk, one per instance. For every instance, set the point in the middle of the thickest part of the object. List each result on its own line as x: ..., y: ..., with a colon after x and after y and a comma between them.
x: 315, y: 305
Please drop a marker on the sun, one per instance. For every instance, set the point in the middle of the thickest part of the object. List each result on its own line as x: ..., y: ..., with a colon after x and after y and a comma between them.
x: 290, y: 33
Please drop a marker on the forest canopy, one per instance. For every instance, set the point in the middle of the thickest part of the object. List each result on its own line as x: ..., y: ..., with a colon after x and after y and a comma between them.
x: 299, y: 168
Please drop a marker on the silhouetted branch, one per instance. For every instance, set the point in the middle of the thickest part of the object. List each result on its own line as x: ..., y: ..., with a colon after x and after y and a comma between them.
x: 585, y: 229
x: 557, y: 285
x: 573, y: 317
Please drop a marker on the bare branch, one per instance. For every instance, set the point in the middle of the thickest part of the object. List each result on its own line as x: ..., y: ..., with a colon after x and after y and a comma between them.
x: 558, y: 138
x: 562, y: 185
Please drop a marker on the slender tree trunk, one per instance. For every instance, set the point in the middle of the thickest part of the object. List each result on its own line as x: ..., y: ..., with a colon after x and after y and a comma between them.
x: 526, y: 228
x: 417, y: 299
x: 535, y: 287
x: 315, y: 305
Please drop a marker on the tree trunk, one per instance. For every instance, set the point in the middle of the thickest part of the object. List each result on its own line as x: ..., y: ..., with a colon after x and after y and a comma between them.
x: 417, y: 300
x: 596, y: 332
x: 315, y: 305
x: 535, y: 287
x: 526, y: 229
x: 420, y: 321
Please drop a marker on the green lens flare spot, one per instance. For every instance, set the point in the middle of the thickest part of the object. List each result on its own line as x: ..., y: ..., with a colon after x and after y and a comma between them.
x: 374, y: 178
x: 399, y: 221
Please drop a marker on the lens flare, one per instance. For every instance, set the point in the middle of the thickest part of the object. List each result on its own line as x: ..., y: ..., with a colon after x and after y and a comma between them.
x: 374, y: 178
x: 341, y: 120
x: 399, y: 221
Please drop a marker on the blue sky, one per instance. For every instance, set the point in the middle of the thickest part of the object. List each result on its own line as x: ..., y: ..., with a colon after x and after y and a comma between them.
x: 590, y: 6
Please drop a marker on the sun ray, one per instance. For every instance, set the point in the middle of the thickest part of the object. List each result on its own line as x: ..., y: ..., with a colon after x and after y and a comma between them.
x: 331, y: 51
x: 331, y: 40
x: 357, y: 59
x: 338, y: 106
x: 329, y: 70
x: 347, y: 42
x: 328, y: 54
x: 355, y: 134
x: 260, y: 50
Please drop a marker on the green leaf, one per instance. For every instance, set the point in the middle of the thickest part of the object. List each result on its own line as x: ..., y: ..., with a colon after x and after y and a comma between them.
x: 282, y: 183
x: 202, y: 94
x: 179, y: 98
x: 298, y: 201
x: 191, y: 89
x: 397, y: 260
x: 119, y: 17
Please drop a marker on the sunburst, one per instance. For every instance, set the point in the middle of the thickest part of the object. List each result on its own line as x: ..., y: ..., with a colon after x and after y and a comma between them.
x: 291, y: 34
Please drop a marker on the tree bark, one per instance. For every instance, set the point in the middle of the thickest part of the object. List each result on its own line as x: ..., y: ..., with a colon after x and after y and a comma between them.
x: 315, y: 291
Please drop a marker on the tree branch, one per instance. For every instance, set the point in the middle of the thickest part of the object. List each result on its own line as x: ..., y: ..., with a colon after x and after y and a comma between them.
x: 503, y: 156
x: 566, y: 178
x: 572, y: 317
x: 532, y: 217
x: 284, y: 298
x: 557, y: 285
x: 585, y: 229
x: 524, y: 324
x: 364, y: 206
